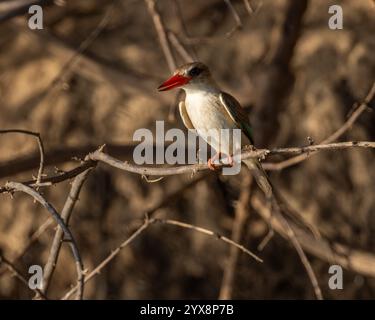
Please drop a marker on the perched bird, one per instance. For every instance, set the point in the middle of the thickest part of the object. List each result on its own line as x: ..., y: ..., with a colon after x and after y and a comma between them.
x: 207, y: 107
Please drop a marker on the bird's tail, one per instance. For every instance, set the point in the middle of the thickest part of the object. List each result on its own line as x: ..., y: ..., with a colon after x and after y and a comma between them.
x: 274, y: 197
x: 260, y: 176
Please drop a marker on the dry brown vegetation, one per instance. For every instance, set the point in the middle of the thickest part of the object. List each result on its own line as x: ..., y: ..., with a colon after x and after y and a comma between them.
x: 90, y: 78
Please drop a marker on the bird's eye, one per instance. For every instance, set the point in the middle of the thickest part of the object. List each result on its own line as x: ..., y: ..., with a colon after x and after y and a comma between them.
x: 195, y: 72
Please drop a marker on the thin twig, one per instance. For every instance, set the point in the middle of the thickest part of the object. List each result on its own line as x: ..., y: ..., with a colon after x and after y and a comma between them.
x: 186, y: 34
x: 237, y: 231
x: 143, y: 227
x: 357, y: 261
x: 185, y: 55
x: 57, y: 240
x: 260, y: 153
x: 333, y: 137
x: 40, y: 145
x: 110, y: 257
x: 19, y: 187
x: 35, y: 236
x: 237, y: 18
x: 306, y: 263
x: 96, y: 156
x: 162, y: 34
x: 73, y: 60
x: 248, y: 7
x: 48, y: 181
x: 13, y: 8
x: 210, y: 233
x: 12, y: 268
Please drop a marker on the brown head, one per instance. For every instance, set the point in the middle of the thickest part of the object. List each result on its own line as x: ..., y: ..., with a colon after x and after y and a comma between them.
x: 190, y: 75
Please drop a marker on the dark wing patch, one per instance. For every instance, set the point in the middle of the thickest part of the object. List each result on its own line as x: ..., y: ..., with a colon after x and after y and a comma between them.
x: 237, y: 114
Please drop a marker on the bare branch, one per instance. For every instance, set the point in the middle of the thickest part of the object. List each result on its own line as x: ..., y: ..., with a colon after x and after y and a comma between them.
x: 210, y: 233
x: 333, y: 137
x: 19, y: 187
x: 14, y: 8
x: 110, y: 257
x: 237, y: 231
x: 310, y: 272
x: 65, y: 215
x: 162, y: 34
x: 96, y: 156
x: 12, y: 268
x: 143, y: 227
x: 185, y: 55
x: 40, y: 145
x: 248, y: 7
x: 260, y: 153
x: 236, y: 17
x: 355, y: 260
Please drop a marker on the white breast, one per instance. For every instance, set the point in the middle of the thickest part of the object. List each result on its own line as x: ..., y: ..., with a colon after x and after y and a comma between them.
x: 207, y: 113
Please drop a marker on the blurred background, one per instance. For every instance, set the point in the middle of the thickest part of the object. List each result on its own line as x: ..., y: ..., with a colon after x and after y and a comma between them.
x: 296, y: 78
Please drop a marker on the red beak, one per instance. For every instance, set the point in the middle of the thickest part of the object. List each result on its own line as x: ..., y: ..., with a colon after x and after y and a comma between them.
x: 173, y: 82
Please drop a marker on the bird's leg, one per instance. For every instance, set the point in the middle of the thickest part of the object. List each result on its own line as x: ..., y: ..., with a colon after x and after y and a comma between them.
x: 211, y: 161
x: 230, y: 160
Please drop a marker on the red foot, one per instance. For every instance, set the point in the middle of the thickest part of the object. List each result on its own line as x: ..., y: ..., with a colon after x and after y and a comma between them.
x: 211, y: 161
x: 230, y: 160
x: 214, y: 167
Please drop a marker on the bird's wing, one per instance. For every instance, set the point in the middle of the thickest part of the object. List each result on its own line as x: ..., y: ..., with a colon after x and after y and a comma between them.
x: 237, y: 114
x: 184, y: 115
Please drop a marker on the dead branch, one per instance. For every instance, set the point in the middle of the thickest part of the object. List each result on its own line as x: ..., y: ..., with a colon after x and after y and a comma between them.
x: 242, y: 209
x: 248, y: 7
x: 19, y: 187
x: 13, y: 269
x: 260, y: 153
x: 333, y: 137
x: 14, y: 8
x: 175, y: 41
x: 143, y: 227
x: 277, y: 76
x: 236, y: 17
x: 65, y: 215
x: 110, y: 257
x: 162, y: 34
x: 88, y: 66
x: 99, y: 156
x: 40, y: 145
x: 73, y: 61
x: 306, y: 263
x: 355, y: 260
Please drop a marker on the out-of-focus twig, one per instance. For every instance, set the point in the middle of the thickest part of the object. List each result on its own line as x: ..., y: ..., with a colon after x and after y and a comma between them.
x: 275, y: 79
x: 355, y: 260
x: 242, y: 209
x: 95, y: 69
x: 144, y: 226
x: 237, y: 18
x: 310, y: 272
x: 333, y: 137
x: 73, y: 60
x: 35, y: 236
x: 165, y: 46
x: 185, y: 55
x: 185, y: 31
x: 14, y: 8
x: 12, y: 268
x: 248, y: 7
x: 162, y: 34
